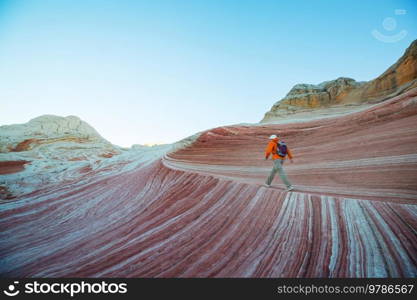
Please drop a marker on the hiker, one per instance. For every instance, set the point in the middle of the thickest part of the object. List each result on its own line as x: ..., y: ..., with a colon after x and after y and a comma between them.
x: 279, y: 151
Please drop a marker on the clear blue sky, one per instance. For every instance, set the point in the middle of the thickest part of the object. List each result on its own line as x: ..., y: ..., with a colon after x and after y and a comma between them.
x: 158, y: 71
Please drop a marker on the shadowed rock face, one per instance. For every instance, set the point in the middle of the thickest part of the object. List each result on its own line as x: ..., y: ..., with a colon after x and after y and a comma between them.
x: 201, y: 211
x: 398, y: 78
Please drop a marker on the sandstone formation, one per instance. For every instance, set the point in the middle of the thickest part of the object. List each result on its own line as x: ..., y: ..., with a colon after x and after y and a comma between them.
x: 50, y: 150
x: 45, y: 129
x: 399, y: 78
x: 199, y: 210
x: 74, y: 205
x: 52, y: 147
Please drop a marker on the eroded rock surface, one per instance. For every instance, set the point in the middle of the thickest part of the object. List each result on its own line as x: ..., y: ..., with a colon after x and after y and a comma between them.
x: 201, y: 211
x: 400, y: 77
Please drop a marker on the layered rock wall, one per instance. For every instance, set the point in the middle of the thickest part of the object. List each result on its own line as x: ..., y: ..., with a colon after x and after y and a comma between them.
x: 201, y: 211
x: 400, y: 77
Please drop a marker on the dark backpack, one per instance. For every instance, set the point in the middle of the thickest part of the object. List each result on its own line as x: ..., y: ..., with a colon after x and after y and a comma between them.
x: 282, y: 149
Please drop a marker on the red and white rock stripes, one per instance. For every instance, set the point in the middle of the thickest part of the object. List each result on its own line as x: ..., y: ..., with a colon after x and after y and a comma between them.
x: 186, y: 216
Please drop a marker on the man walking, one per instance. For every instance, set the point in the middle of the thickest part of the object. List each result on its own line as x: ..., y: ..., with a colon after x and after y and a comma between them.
x: 279, y: 151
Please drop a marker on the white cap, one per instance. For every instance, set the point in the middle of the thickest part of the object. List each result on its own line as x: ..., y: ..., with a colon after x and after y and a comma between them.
x: 272, y: 137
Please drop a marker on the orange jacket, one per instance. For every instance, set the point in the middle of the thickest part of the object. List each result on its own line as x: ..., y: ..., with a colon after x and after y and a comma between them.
x: 272, y: 149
